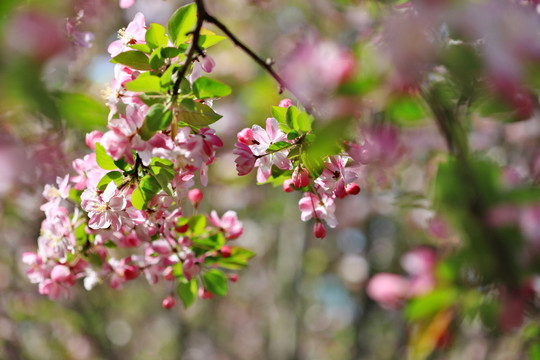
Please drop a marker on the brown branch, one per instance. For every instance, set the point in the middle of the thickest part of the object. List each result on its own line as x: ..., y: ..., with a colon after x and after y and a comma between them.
x: 205, y: 16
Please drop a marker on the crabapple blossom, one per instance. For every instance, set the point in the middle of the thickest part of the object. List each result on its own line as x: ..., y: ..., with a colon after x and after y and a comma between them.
x: 228, y: 223
x: 106, y: 209
x: 133, y: 34
x: 336, y: 176
x: 322, y: 208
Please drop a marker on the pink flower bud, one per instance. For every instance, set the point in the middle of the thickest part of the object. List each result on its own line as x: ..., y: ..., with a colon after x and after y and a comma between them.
x: 233, y: 277
x: 353, y: 189
x: 319, y: 231
x: 300, y: 177
x: 288, y: 185
x: 131, y: 272
x: 205, y: 294
x: 285, y: 103
x: 207, y: 63
x: 60, y: 273
x: 245, y: 136
x: 182, y: 229
x: 92, y: 138
x: 195, y: 196
x: 169, y: 302
x: 225, y: 251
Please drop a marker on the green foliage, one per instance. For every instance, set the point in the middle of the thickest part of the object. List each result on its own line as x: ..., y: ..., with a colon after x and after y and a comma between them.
x: 197, y: 224
x: 134, y: 59
x: 187, y: 290
x: 181, y: 23
x: 103, y: 159
x: 206, y: 88
x: 82, y: 111
x: 155, y: 36
x: 158, y: 117
x: 146, y: 82
x: 197, y: 114
x: 147, y: 189
x: 216, y: 282
x: 430, y: 304
x: 115, y: 176
x: 208, y: 40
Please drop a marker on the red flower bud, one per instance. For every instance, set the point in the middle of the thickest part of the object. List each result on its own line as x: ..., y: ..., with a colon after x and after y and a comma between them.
x: 288, y: 185
x: 319, y: 231
x: 225, y: 251
x: 168, y: 302
x: 195, y: 196
x: 353, y: 189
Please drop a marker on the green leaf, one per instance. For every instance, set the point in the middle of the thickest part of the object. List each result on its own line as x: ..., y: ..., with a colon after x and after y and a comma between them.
x: 103, y: 160
x: 123, y: 165
x: 182, y: 22
x: 134, y: 59
x: 279, y: 114
x: 238, y: 259
x: 153, y: 97
x: 206, y: 88
x: 304, y: 121
x: 534, y: 352
x: 169, y: 52
x: 115, y: 176
x: 216, y: 282
x: 197, y: 224
x: 292, y: 135
x: 155, y: 36
x: 163, y: 173
x: 431, y: 303
x: 158, y: 117
x: 146, y: 82
x: 197, y: 114
x: 83, y: 111
x: 406, y: 110
x: 142, y: 47
x: 278, y: 146
x: 187, y: 292
x: 291, y: 117
x: 205, y: 41
x: 147, y: 189
x: 156, y: 61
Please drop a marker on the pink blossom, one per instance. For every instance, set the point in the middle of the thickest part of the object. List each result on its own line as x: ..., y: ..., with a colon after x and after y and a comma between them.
x: 389, y: 290
x: 38, y: 270
x: 288, y: 185
x: 245, y: 136
x: 55, y: 195
x: 207, y: 64
x: 89, y: 172
x: 321, y: 209
x: 262, y: 140
x: 195, y: 196
x: 245, y: 160
x: 228, y: 223
x: 53, y: 289
x: 92, y: 138
x: 125, y: 4
x: 106, y: 209
x: 285, y: 103
x: 300, y: 177
x: 133, y: 34
x: 336, y: 175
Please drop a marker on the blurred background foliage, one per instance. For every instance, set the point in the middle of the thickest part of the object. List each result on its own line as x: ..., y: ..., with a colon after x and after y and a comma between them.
x: 301, y: 298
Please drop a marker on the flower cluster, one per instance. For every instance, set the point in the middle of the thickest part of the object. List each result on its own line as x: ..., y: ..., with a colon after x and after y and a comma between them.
x: 131, y: 192
x: 281, y: 155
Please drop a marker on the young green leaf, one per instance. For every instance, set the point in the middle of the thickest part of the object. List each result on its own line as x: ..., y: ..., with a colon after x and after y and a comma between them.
x: 197, y: 114
x: 278, y: 146
x: 216, y: 282
x: 205, y: 41
x: 279, y: 114
x: 115, y: 176
x: 146, y: 82
x: 147, y: 189
x: 197, y: 224
x: 103, y: 160
x: 187, y: 292
x: 158, y: 117
x: 134, y: 59
x: 291, y: 116
x: 206, y: 88
x: 155, y: 36
x: 182, y: 22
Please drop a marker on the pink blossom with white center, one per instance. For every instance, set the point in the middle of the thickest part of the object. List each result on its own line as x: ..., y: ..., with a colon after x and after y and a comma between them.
x: 106, y: 209
x: 118, y: 141
x: 194, y: 150
x: 122, y: 271
x: 133, y: 34
x: 92, y: 138
x: 336, y: 176
x: 228, y: 223
x: 117, y: 91
x: 322, y: 209
x: 262, y: 140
